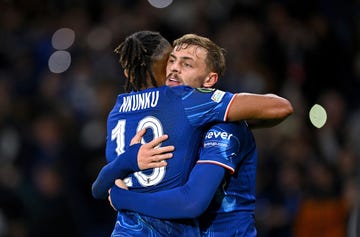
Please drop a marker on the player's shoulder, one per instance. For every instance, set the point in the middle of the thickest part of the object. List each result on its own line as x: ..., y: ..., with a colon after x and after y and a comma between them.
x: 187, y: 89
x: 179, y: 89
x: 184, y: 92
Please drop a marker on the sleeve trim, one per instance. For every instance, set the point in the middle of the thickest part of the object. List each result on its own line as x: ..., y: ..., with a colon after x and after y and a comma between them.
x: 228, y: 108
x: 229, y: 168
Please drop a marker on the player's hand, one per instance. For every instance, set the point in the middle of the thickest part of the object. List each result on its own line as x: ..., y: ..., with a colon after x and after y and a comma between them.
x: 151, y: 155
x: 121, y: 184
x: 111, y: 204
x: 138, y: 136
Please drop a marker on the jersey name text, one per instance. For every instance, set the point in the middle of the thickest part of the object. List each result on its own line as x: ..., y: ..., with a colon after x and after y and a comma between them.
x: 139, y: 101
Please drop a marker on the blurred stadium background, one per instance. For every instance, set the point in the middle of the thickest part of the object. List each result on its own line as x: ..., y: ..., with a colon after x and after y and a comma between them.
x: 59, y: 78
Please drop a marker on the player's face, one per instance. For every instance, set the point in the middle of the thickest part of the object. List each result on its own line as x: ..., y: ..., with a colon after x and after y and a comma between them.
x: 187, y: 66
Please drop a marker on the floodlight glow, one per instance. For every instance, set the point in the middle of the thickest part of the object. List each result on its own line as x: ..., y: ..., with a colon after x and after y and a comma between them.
x: 318, y: 116
x: 160, y: 3
x: 63, y: 38
x: 59, y: 61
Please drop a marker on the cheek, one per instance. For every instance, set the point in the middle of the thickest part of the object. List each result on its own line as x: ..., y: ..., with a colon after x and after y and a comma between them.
x: 168, y: 69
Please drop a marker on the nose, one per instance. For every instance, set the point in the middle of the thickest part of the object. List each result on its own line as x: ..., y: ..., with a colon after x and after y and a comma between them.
x: 173, y: 67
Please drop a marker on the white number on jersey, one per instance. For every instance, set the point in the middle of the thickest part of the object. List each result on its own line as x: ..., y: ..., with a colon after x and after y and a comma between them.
x: 118, y: 134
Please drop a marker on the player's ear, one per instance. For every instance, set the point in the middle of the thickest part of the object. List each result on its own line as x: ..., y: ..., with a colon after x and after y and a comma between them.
x: 211, y: 80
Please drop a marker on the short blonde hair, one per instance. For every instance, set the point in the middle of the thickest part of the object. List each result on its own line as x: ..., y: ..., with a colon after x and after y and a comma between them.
x: 215, y: 59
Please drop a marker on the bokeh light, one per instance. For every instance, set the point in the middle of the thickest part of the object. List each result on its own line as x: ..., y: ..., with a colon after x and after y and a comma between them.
x: 59, y: 61
x: 318, y: 116
x: 63, y: 38
x: 160, y: 3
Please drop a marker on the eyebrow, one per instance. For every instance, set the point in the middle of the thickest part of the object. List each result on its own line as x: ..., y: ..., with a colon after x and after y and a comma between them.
x: 182, y: 58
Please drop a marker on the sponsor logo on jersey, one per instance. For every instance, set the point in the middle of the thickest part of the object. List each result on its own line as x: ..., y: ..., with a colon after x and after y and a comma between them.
x: 217, y: 96
x: 215, y: 144
x: 218, y: 134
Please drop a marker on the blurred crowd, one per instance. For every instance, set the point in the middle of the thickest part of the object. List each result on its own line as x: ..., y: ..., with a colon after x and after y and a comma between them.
x: 52, y: 125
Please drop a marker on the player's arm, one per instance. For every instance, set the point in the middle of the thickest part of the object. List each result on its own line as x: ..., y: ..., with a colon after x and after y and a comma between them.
x: 218, y: 154
x: 260, y: 110
x: 147, y: 157
x: 188, y: 201
x: 118, y: 168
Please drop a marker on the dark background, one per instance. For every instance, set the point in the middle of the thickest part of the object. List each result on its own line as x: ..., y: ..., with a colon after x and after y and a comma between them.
x: 52, y: 125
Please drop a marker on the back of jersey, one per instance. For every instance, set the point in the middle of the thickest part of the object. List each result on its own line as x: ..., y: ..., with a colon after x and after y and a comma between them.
x: 181, y: 112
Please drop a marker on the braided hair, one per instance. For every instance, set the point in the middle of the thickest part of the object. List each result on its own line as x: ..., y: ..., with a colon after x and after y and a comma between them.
x: 137, y: 54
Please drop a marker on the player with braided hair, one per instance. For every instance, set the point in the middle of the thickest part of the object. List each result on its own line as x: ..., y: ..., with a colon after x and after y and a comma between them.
x: 141, y: 54
x: 181, y: 112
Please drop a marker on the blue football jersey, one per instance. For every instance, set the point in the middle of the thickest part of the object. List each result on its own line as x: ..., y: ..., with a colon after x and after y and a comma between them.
x: 231, y: 212
x: 181, y: 112
x: 232, y: 146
